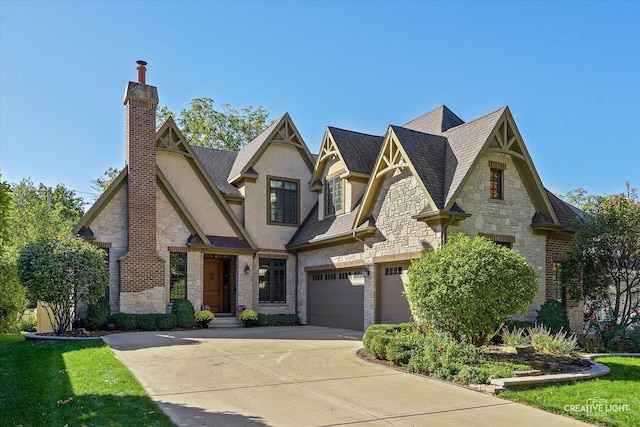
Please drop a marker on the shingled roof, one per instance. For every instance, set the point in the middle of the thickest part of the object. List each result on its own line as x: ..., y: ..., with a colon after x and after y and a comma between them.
x: 218, y: 163
x: 359, y: 150
x: 569, y: 216
x: 312, y: 230
x: 428, y: 154
x: 435, y: 121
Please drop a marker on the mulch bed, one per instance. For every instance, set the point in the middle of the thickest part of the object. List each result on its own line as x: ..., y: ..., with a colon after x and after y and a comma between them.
x: 546, y: 363
x: 79, y: 333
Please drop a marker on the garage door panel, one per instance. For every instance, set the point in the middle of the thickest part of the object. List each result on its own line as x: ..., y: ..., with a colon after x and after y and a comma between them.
x: 394, y: 307
x: 337, y: 303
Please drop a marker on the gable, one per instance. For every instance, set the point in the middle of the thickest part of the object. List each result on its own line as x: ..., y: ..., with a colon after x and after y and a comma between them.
x: 281, y: 131
x: 504, y: 138
x: 394, y: 156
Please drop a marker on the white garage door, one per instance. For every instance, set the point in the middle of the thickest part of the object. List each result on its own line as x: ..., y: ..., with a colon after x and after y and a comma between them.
x: 336, y: 299
x: 394, y: 307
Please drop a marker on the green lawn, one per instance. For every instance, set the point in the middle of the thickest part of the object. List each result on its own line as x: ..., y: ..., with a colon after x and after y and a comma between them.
x: 612, y: 400
x: 77, y: 383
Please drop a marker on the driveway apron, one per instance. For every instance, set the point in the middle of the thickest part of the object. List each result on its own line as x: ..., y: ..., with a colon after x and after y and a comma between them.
x: 299, y: 376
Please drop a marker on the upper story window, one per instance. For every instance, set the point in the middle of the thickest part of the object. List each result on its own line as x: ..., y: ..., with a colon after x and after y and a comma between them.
x: 333, y: 196
x: 496, y: 180
x: 283, y: 201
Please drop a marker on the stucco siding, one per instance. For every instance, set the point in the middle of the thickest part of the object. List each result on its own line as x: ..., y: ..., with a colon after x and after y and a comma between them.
x: 194, y: 195
x: 270, y: 163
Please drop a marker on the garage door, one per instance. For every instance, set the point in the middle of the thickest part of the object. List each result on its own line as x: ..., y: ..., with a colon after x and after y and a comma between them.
x: 394, y: 307
x: 336, y: 299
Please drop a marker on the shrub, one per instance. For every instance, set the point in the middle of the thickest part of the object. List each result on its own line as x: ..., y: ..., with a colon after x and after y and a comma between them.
x: 28, y: 322
x: 165, y: 322
x: 514, y: 337
x: 372, y: 331
x: 519, y: 324
x: 553, y: 315
x: 185, y: 314
x: 293, y: 319
x: 98, y: 314
x: 146, y: 322
x: 262, y: 319
x: 445, y: 357
x: 12, y: 294
x: 272, y: 319
x: 378, y: 346
x: 544, y: 341
x: 124, y: 321
x: 469, y: 287
x: 404, y: 346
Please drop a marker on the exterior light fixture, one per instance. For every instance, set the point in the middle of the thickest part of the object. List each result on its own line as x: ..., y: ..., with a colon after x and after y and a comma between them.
x: 247, y: 269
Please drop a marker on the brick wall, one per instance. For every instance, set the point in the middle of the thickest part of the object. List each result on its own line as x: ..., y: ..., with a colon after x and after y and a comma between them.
x: 557, y: 246
x: 141, y: 269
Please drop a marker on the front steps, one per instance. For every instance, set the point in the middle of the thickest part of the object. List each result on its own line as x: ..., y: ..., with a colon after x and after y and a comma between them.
x: 224, y: 321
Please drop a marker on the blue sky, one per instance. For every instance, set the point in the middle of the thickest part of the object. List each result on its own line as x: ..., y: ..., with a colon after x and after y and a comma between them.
x: 569, y: 71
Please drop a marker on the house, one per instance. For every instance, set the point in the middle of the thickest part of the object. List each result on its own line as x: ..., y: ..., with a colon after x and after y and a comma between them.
x: 327, y: 237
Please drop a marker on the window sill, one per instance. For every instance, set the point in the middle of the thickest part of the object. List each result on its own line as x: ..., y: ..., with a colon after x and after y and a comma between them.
x: 498, y: 201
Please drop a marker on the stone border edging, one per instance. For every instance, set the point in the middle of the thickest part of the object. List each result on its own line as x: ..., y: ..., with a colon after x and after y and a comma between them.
x: 597, y: 370
x: 35, y: 336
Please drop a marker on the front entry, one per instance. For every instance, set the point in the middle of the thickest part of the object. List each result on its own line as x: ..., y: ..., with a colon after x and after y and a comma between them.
x: 215, y: 289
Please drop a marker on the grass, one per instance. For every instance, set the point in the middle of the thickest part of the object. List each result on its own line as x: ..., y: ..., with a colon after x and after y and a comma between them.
x: 615, y: 398
x: 73, y: 383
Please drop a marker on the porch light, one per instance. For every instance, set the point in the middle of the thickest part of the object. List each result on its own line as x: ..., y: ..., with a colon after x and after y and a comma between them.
x: 247, y: 269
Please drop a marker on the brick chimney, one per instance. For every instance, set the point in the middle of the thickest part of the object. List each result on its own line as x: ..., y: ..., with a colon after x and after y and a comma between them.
x: 141, y: 269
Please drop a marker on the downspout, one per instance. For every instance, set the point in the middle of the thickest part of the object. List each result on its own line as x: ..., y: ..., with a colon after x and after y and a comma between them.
x: 443, y: 235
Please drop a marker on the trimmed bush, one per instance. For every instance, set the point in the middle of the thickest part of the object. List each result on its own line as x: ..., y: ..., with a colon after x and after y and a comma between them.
x: 165, y: 322
x: 272, y: 319
x: 262, y: 319
x: 404, y: 346
x: 378, y: 346
x: 469, y: 288
x: 554, y: 316
x: 98, y: 314
x: 184, y: 312
x: 146, y: 322
x: 373, y: 330
x: 124, y: 321
x: 293, y: 319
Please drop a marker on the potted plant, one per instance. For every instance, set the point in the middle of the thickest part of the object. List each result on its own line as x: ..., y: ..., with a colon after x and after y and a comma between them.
x: 248, y: 317
x: 203, y: 317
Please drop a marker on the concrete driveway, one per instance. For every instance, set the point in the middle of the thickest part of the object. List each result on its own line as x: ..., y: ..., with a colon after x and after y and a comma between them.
x: 298, y: 376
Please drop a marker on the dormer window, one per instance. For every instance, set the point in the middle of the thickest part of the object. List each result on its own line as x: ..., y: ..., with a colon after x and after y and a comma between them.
x: 496, y: 180
x: 333, y: 196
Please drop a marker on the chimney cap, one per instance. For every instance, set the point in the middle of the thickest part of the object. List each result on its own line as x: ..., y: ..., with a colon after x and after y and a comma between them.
x: 141, y: 62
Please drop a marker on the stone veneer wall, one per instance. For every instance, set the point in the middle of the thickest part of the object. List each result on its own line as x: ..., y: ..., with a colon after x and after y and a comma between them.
x: 557, y: 245
x: 244, y: 282
x: 399, y: 237
x: 511, y: 217
x: 110, y: 226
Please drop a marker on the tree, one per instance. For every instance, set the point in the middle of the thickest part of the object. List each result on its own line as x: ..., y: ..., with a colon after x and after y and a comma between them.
x: 62, y: 272
x: 40, y: 212
x: 101, y: 183
x: 469, y: 288
x: 5, y: 207
x: 228, y: 129
x: 603, y: 263
x: 12, y: 294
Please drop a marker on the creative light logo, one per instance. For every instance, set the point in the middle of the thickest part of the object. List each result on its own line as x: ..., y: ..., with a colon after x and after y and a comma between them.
x: 597, y: 404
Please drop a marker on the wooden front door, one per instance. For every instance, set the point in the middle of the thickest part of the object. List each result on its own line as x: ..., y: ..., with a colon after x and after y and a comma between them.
x: 213, y: 284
